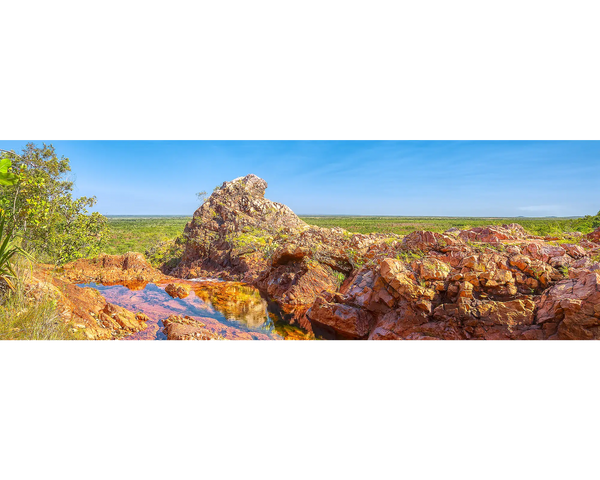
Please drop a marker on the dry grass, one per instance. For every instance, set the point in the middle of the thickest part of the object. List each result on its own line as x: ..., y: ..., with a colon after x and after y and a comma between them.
x: 27, y: 318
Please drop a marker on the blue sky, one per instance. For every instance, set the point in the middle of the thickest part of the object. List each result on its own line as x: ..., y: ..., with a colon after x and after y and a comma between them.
x: 446, y: 178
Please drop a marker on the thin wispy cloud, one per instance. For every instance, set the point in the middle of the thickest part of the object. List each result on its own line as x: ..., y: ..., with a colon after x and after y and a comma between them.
x: 541, y: 208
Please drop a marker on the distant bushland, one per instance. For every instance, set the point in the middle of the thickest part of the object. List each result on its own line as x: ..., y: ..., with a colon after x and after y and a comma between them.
x: 406, y: 225
x: 144, y: 233
x: 139, y: 234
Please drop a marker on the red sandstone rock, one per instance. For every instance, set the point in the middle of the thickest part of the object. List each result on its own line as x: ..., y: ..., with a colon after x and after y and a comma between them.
x: 290, y: 252
x: 298, y: 284
x: 571, y: 309
x: 112, y: 269
x: 594, y: 236
x: 489, y: 320
x: 542, y: 252
x: 177, y: 327
x: 425, y: 241
x: 494, y: 234
x: 178, y: 290
x: 402, y: 283
x: 430, y: 269
x: 112, y: 315
x: 335, y: 320
x: 360, y: 287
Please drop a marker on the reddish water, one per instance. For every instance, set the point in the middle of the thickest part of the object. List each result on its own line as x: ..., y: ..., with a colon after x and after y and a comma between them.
x: 233, y: 310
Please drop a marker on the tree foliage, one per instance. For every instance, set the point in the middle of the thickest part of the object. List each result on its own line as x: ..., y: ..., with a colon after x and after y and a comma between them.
x: 6, y: 177
x: 41, y: 207
x: 202, y: 196
x: 588, y: 223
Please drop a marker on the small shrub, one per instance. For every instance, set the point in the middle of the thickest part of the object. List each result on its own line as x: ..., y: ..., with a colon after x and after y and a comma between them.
x: 339, y: 278
x: 410, y: 256
x: 166, y: 253
x: 564, y: 270
x: 356, y: 261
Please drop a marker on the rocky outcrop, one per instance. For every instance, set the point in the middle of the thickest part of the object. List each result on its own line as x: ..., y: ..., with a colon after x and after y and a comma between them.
x: 495, y: 282
x: 495, y: 234
x: 178, y: 327
x: 477, y: 291
x: 297, y: 283
x: 230, y: 233
x: 594, y: 236
x: 130, y: 269
x: 570, y: 310
x: 237, y: 234
x: 336, y: 320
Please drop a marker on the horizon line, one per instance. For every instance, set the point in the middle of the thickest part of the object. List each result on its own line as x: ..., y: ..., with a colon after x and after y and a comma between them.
x: 357, y: 215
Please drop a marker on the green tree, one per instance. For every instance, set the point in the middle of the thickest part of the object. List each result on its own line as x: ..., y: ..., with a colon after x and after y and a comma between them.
x: 41, y: 207
x: 588, y: 223
x: 596, y: 221
x: 201, y: 196
x: 6, y: 177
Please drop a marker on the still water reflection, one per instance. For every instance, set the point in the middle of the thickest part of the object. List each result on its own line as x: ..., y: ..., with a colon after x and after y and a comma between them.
x: 233, y: 310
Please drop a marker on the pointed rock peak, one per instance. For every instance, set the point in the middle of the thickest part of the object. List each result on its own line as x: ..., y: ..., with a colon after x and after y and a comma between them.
x: 250, y: 184
x: 240, y: 206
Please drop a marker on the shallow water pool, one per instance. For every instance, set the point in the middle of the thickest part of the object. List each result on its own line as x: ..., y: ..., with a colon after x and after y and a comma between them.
x: 233, y: 310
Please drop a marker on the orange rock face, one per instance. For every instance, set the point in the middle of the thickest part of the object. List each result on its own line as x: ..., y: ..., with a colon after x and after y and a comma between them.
x: 178, y: 290
x: 298, y: 284
x: 335, y: 320
x: 570, y: 310
x: 130, y: 268
x: 178, y: 327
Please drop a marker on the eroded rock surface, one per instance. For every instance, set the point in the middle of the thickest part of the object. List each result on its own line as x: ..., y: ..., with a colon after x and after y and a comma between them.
x: 570, y: 310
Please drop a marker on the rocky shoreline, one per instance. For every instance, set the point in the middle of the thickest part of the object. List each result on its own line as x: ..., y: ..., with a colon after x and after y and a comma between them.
x: 496, y: 282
